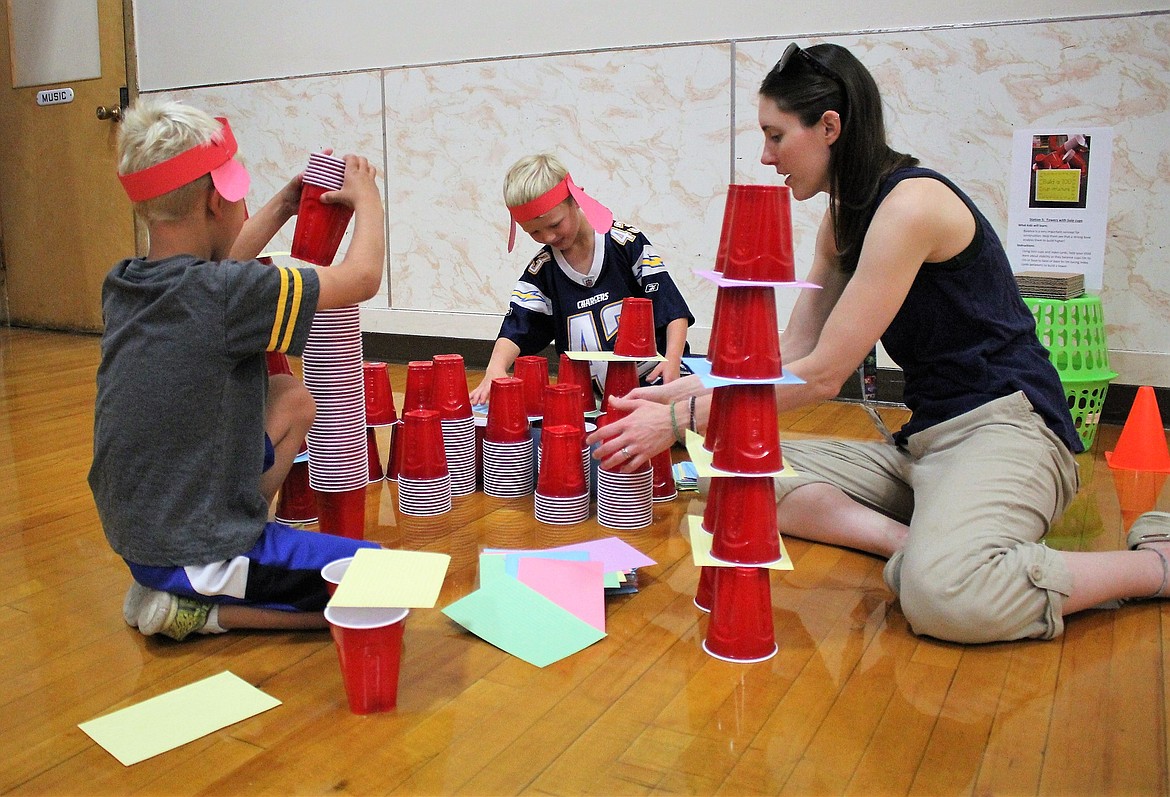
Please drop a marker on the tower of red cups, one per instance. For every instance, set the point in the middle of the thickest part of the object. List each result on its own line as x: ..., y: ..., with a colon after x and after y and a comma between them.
x: 452, y: 401
x: 755, y: 252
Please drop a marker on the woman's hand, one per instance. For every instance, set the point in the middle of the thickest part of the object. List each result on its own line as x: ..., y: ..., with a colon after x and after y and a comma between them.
x: 628, y: 444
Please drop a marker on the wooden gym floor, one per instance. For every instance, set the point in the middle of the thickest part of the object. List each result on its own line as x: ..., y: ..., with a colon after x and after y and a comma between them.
x: 852, y: 704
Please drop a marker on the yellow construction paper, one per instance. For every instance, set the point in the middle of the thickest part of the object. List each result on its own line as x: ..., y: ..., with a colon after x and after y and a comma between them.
x: 381, y: 578
x: 701, y: 549
x: 701, y: 457
x: 175, y: 718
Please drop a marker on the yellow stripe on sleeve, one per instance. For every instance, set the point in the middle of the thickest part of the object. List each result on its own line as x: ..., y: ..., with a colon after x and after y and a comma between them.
x: 279, y: 315
x: 295, y: 308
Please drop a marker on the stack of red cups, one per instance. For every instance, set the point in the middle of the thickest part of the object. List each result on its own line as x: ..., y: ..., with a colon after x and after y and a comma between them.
x: 742, y: 431
x: 452, y: 401
x: 380, y: 412
x: 507, y: 446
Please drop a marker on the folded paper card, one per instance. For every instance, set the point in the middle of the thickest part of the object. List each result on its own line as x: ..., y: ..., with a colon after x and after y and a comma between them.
x: 379, y: 578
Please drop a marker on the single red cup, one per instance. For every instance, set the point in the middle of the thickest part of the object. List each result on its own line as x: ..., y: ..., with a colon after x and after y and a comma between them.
x: 277, y: 363
x: 741, y: 627
x: 725, y: 230
x: 759, y: 236
x: 507, y: 417
x: 746, y: 342
x: 715, y: 417
x: 577, y: 372
x: 745, y: 530
x: 420, y: 382
x: 423, y: 455
x: 620, y: 379
x: 369, y: 649
x: 664, y: 486
x: 394, y: 458
x: 714, y: 498
x: 532, y: 370
x: 319, y: 227
x: 298, y: 499
x: 343, y: 513
x: 562, y: 407
x: 380, y: 409
x: 705, y: 594
x: 373, y: 456
x: 562, y: 473
x: 333, y: 572
x: 749, y: 432
x: 450, y: 395
x: 635, y: 333
x: 715, y: 322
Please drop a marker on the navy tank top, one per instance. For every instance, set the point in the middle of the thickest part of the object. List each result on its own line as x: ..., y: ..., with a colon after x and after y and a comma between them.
x: 964, y: 337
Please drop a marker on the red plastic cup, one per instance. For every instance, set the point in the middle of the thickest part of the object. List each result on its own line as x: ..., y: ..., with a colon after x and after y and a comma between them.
x: 394, y: 458
x: 562, y: 474
x: 716, y: 416
x: 620, y: 379
x: 714, y: 498
x: 277, y: 363
x: 320, y: 227
x: 507, y: 417
x: 664, y: 486
x: 749, y: 433
x: 562, y: 407
x: 420, y: 382
x: 577, y: 372
x: 635, y: 333
x: 741, y: 628
x: 369, y: 649
x: 532, y: 370
x: 745, y: 526
x: 759, y: 247
x: 725, y: 230
x: 715, y: 323
x: 746, y: 342
x: 705, y: 595
x: 333, y: 572
x: 373, y: 456
x: 450, y: 395
x: 343, y: 513
x: 379, y: 397
x: 298, y: 499
x: 423, y: 455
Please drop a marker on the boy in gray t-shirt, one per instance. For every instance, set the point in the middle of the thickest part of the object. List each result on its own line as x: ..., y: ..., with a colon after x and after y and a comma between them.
x: 192, y: 438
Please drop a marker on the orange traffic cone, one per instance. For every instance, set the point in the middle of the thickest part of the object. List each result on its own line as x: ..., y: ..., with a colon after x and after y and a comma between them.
x: 1142, y: 445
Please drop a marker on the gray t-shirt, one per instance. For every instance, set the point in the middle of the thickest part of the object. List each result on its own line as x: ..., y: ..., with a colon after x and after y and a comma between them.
x: 179, y: 420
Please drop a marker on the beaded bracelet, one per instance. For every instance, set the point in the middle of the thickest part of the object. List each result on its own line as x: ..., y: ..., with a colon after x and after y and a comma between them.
x: 674, y: 425
x: 691, y: 425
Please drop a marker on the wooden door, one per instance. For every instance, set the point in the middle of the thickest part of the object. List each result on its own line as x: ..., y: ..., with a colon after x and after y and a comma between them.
x: 64, y: 217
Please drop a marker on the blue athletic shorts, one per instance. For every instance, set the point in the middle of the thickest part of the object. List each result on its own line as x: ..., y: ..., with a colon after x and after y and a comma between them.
x: 281, y: 571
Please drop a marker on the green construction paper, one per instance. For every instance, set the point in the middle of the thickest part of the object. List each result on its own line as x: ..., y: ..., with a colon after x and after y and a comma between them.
x: 522, y: 622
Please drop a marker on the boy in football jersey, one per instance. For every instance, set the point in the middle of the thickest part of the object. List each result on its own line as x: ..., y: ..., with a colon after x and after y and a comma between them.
x: 571, y: 293
x: 192, y: 438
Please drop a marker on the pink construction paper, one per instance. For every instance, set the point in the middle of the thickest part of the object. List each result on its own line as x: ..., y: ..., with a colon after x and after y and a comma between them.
x: 577, y: 587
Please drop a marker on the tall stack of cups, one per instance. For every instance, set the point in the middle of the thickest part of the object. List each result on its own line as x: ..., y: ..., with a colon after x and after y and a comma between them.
x: 562, y: 496
x: 452, y: 400
x: 626, y: 500
x: 743, y: 433
x: 507, y: 447
x: 338, y: 455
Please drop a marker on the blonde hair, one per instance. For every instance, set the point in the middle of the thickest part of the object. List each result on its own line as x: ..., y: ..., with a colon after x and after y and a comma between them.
x: 531, y: 177
x: 154, y: 131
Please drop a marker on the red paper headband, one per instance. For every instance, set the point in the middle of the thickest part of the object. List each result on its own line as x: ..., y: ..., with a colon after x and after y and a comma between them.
x: 216, y: 158
x: 598, y: 215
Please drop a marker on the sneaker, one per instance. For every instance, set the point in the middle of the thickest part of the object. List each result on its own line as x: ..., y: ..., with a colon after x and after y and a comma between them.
x: 171, y: 615
x: 133, y: 603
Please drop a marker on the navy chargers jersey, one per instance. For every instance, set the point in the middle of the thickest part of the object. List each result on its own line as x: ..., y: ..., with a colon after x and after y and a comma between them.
x: 579, y: 312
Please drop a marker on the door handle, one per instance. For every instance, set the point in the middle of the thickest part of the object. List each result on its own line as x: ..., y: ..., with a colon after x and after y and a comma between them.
x: 113, y: 113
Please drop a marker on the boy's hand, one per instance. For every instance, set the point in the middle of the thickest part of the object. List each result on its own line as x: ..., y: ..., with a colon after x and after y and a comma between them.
x: 359, y: 185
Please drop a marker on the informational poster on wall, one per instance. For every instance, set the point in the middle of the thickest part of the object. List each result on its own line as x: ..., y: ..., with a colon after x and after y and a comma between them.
x: 1059, y: 200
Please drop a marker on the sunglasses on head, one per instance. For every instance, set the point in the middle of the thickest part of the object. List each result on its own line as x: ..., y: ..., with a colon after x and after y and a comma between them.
x: 793, y: 51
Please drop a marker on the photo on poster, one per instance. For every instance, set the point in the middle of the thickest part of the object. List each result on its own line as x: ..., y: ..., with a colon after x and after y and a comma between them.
x: 1059, y: 170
